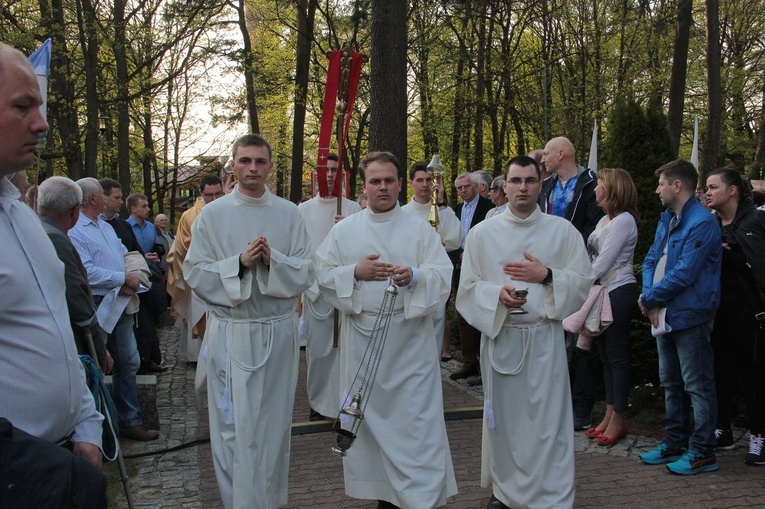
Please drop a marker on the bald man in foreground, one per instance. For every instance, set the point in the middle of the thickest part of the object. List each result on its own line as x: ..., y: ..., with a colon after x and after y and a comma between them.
x: 45, y: 403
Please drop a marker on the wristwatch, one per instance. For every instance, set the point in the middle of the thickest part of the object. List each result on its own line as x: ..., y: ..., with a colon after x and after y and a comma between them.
x: 547, y: 281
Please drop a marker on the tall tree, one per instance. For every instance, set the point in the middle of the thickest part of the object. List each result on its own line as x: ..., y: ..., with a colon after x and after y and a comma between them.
x: 248, y: 61
x: 388, y: 101
x: 480, y: 87
x: 64, y: 108
x: 679, y: 67
x: 714, y: 89
x: 123, y: 91
x: 306, y: 11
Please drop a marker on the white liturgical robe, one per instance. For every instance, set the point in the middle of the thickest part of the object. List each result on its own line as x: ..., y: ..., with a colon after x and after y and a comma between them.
x: 452, y: 234
x: 402, y: 453
x: 252, y: 346
x: 323, y: 377
x: 528, y: 437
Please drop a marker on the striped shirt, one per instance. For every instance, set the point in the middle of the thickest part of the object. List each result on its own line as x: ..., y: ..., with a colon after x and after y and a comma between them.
x: 42, y: 379
x: 466, y: 217
x: 102, y: 253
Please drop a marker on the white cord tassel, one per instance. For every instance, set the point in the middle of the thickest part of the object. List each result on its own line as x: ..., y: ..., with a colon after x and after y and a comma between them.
x: 226, y: 405
x: 488, y: 411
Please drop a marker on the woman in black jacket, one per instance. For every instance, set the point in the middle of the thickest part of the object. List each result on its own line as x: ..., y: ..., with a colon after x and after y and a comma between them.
x: 737, y: 337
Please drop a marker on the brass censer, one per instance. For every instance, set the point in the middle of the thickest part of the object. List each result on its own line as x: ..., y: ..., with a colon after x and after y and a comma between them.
x: 436, y: 169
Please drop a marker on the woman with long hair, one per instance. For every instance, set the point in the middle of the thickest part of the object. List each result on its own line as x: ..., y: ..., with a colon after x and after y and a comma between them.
x: 612, y: 249
x: 737, y: 340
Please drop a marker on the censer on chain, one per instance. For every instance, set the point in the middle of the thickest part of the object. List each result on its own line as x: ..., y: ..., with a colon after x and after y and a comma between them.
x: 364, y: 379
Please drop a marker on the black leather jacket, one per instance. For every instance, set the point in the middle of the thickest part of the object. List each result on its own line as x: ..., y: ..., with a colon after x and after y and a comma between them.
x: 583, y: 212
x: 746, y: 235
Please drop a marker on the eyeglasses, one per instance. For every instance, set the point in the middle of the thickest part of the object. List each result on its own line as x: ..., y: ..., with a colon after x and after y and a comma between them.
x: 517, y: 181
x: 494, y: 188
x: 213, y: 195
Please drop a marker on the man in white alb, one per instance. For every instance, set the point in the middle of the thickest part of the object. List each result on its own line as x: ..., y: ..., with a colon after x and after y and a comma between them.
x: 323, y: 378
x: 449, y: 229
x: 528, y: 438
x: 248, y: 262
x: 401, y: 456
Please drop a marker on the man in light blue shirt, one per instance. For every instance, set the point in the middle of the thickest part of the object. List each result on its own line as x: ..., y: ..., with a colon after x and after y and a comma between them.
x: 103, y: 256
x: 144, y: 230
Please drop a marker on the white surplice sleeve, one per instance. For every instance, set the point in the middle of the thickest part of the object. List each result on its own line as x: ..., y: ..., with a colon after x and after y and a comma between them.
x: 289, y: 273
x: 478, y: 299
x: 434, y: 284
x: 451, y: 230
x: 213, y: 275
x: 335, y: 276
x: 571, y: 280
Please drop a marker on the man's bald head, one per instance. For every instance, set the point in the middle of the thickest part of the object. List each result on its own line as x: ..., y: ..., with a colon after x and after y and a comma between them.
x: 560, y: 157
x: 10, y: 55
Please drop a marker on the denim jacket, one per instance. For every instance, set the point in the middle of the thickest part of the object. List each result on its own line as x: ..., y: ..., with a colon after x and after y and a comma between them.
x: 690, y: 288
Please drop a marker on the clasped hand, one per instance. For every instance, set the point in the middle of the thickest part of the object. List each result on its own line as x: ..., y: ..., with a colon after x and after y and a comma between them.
x: 257, y: 249
x: 369, y: 269
x: 651, y: 314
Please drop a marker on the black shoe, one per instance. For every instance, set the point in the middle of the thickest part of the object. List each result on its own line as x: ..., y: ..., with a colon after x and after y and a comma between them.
x: 725, y: 441
x: 316, y: 416
x: 475, y: 381
x: 495, y: 503
x: 384, y: 504
x: 150, y: 367
x: 465, y: 372
x: 582, y: 423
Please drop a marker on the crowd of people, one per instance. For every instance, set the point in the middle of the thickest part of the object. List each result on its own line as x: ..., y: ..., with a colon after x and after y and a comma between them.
x: 520, y: 254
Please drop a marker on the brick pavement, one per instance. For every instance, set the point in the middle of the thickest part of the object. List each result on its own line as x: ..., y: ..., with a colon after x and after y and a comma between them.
x: 605, y: 476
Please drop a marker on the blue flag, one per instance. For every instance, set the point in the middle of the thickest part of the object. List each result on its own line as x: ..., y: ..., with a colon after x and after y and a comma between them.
x: 40, y: 60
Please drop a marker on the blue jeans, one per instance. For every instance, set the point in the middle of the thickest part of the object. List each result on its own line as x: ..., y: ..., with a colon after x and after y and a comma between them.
x: 122, y: 345
x: 686, y: 371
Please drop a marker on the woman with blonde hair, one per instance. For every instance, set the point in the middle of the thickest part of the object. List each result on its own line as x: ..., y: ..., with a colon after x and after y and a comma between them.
x: 612, y: 248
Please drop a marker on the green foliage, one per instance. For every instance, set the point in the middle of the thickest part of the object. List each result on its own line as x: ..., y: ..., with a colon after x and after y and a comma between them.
x: 638, y: 141
x: 646, y: 396
x: 548, y: 69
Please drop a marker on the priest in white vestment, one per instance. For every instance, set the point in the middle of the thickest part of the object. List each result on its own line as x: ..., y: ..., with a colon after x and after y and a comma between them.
x: 401, y: 456
x: 249, y: 260
x: 323, y: 376
x: 528, y: 438
x: 449, y: 229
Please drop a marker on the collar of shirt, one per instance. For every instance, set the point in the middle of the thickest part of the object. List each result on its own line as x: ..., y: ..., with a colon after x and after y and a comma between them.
x: 8, y: 191
x: 472, y: 203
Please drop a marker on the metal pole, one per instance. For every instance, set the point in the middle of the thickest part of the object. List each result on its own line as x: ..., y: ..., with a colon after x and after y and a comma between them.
x: 120, y: 460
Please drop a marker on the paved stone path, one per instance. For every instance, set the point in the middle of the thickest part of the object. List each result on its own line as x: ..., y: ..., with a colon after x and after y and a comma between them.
x: 605, y: 476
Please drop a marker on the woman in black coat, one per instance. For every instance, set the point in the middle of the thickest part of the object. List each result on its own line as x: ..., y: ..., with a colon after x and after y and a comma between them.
x: 737, y: 337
